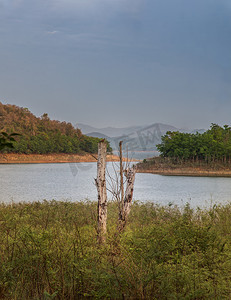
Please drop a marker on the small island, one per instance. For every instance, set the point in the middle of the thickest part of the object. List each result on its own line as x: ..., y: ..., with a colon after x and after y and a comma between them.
x: 187, y: 154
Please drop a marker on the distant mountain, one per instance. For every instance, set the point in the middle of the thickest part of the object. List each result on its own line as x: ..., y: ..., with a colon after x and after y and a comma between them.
x: 197, y: 130
x: 85, y: 128
x: 135, y: 138
x: 98, y: 135
x: 143, y: 139
x: 108, y: 131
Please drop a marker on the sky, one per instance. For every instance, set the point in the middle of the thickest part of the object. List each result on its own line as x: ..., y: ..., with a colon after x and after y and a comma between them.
x: 118, y: 62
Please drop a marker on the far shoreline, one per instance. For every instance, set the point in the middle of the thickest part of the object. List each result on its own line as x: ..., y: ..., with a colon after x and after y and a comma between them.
x: 188, y: 172
x: 15, y: 158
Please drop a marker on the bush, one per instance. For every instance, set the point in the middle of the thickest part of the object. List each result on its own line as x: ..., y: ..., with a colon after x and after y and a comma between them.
x: 49, y: 250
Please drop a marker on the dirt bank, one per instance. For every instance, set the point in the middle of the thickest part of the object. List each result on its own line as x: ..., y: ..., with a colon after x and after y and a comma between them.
x: 188, y: 172
x: 13, y: 158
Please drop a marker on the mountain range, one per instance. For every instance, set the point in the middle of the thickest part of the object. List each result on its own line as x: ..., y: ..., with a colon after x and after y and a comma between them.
x: 135, y: 138
x: 107, y: 131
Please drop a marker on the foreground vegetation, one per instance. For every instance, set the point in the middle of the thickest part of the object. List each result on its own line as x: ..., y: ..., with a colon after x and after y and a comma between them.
x: 49, y: 251
x: 42, y: 135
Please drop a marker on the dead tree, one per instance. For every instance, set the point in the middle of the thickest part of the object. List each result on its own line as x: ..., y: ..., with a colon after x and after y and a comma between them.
x: 125, y: 201
x: 121, y: 196
x: 100, y: 182
x: 130, y: 175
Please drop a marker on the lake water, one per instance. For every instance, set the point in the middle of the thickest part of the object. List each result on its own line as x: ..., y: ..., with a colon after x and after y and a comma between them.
x: 74, y: 182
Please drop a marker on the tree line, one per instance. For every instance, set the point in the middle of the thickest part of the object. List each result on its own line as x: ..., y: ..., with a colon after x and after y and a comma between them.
x: 41, y: 135
x: 212, y: 145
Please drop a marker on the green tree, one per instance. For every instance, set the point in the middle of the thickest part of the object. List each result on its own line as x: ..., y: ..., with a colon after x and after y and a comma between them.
x: 7, y: 140
x: 43, y: 135
x: 212, y: 145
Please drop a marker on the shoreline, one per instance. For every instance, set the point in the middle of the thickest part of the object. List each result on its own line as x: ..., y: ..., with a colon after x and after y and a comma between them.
x: 188, y: 172
x: 13, y: 158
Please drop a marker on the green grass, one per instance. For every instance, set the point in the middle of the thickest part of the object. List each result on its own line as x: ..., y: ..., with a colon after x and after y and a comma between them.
x: 49, y: 250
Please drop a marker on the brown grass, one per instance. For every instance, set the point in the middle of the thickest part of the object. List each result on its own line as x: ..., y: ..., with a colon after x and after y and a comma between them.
x: 13, y: 158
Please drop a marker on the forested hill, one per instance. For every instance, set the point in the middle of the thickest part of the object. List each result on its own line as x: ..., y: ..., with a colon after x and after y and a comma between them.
x: 41, y: 135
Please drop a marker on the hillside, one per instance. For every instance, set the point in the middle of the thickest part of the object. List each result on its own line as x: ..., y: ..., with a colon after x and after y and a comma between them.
x: 40, y: 135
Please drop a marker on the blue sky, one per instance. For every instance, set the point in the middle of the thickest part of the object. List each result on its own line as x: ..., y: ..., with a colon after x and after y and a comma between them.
x: 118, y: 62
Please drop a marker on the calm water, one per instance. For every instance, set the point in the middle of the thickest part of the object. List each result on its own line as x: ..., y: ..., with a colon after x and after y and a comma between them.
x: 74, y: 182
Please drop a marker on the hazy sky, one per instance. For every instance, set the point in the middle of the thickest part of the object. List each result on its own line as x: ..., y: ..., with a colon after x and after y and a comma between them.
x: 118, y: 62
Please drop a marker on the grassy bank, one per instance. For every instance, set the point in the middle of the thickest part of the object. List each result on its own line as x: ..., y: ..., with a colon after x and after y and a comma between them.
x: 170, y: 166
x: 49, y: 251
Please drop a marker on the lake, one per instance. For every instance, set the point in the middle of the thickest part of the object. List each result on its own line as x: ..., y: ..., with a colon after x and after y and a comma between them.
x: 75, y: 182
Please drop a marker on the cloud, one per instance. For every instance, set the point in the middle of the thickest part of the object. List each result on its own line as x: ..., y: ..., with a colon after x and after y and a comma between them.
x: 52, y: 32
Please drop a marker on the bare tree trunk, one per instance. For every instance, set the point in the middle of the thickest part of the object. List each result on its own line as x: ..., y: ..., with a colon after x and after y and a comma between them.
x: 130, y: 174
x: 102, y: 193
x: 125, y: 201
x: 121, y: 204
